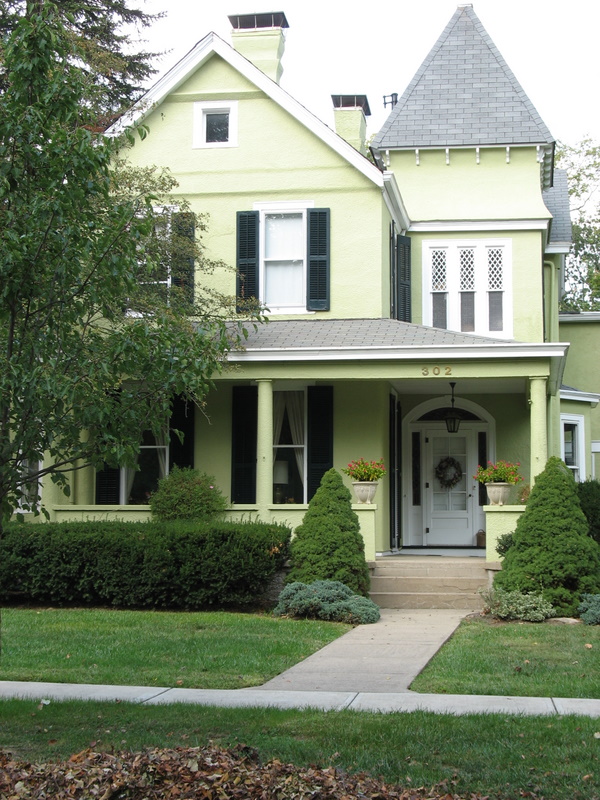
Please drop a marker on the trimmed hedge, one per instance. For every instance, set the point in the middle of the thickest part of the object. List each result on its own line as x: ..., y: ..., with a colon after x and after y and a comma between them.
x: 141, y: 565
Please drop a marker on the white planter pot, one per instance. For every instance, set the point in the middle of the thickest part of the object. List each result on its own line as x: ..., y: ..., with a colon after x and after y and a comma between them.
x: 498, y: 493
x: 364, y: 490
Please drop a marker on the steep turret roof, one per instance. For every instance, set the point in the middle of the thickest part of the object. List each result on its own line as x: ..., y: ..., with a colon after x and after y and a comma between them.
x: 464, y: 93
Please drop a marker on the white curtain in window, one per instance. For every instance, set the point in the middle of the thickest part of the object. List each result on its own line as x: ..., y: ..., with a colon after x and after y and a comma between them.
x: 278, y: 412
x: 295, y: 407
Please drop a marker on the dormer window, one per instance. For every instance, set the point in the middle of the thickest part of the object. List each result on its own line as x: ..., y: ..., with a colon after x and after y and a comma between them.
x: 215, y: 124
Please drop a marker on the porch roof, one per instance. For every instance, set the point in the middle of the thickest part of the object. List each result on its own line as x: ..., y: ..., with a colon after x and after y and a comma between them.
x: 350, y: 339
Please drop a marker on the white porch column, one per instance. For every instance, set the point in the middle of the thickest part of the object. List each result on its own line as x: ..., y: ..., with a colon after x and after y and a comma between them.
x: 538, y: 426
x: 264, y: 445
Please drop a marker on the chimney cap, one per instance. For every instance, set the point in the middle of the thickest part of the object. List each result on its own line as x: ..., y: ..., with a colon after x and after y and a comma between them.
x: 352, y: 101
x: 272, y: 19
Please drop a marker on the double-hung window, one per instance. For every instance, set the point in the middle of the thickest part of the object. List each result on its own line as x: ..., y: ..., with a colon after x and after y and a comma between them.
x: 573, y: 444
x: 283, y: 256
x: 467, y: 286
x: 215, y: 124
x: 169, y: 257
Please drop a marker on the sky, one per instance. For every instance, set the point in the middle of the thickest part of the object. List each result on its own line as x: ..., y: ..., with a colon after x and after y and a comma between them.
x: 351, y: 47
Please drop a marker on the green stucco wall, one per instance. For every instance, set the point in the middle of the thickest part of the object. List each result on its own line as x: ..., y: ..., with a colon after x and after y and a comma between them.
x: 466, y: 190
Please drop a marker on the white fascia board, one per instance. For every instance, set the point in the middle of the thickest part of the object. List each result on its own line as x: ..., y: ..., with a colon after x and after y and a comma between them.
x: 198, y: 55
x: 413, y: 353
x: 582, y: 316
x: 580, y: 397
x: 557, y: 247
x: 479, y: 225
x: 394, y: 201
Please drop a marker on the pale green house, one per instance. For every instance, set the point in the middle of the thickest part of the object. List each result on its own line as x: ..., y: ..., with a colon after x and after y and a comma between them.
x: 432, y: 270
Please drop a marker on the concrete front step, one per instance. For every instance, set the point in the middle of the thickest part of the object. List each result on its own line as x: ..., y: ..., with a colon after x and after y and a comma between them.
x: 415, y: 583
x: 428, y: 582
x: 457, y: 600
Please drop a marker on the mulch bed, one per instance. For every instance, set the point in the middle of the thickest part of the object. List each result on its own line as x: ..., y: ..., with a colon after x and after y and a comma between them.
x: 202, y: 773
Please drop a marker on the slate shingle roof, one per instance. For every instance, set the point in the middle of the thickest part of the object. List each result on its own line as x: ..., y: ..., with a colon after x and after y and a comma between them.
x: 355, y: 333
x: 464, y: 93
x: 557, y: 203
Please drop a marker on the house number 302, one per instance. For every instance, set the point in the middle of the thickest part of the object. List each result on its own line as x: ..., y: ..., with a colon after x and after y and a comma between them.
x: 436, y: 371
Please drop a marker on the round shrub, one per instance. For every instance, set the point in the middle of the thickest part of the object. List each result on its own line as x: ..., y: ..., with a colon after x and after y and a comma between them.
x: 552, y: 554
x: 328, y: 544
x: 187, y: 494
x: 328, y: 600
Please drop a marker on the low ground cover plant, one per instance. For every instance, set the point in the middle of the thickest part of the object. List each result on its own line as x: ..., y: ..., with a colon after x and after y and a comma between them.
x: 589, y: 609
x: 328, y: 544
x: 330, y: 600
x: 516, y: 605
x: 141, y: 565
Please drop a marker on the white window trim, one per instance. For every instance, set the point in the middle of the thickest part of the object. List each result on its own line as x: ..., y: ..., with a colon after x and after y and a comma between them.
x: 452, y: 247
x: 291, y: 207
x: 201, y: 109
x: 35, y: 506
x: 575, y: 419
x: 124, y: 471
x: 304, y: 445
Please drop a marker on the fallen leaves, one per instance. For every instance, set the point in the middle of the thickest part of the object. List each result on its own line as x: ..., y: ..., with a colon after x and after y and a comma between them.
x: 209, y: 773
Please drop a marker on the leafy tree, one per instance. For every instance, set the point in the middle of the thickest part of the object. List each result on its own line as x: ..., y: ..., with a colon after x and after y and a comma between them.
x: 328, y: 544
x: 582, y: 163
x: 100, y: 321
x: 104, y: 33
x: 552, y: 553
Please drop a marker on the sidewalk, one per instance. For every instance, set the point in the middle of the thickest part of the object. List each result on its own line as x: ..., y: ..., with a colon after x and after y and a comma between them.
x: 368, y: 669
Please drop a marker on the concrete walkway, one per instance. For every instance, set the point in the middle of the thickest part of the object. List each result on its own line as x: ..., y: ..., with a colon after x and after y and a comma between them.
x: 368, y: 669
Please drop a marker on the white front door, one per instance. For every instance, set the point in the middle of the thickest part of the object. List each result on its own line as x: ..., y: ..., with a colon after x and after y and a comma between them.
x: 451, y: 511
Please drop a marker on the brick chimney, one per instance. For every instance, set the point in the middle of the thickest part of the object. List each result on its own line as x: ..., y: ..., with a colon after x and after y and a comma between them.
x: 260, y: 39
x: 351, y: 112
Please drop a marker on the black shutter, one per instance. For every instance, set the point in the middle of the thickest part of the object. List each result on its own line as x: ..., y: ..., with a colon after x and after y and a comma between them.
x: 107, y: 486
x: 320, y: 435
x: 247, y: 256
x: 183, y: 226
x: 181, y: 453
x: 243, y: 444
x: 403, y: 305
x: 482, y: 458
x: 317, y: 289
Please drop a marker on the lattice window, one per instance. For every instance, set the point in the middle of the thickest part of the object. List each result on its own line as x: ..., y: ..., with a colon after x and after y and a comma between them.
x: 438, y: 271
x: 467, y: 270
x: 495, y: 269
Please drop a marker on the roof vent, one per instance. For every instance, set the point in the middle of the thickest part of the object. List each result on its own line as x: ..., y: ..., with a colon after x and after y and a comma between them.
x: 244, y: 22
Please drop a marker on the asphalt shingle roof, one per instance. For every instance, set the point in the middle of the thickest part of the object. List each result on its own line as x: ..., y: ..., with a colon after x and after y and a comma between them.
x: 464, y: 93
x: 557, y: 202
x: 355, y: 333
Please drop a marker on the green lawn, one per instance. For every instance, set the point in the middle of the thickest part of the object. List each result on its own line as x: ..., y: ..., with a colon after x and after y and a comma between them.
x: 208, y: 650
x: 517, y: 658
x: 555, y: 758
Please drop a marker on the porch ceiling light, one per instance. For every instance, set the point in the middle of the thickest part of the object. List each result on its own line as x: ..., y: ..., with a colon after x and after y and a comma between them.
x: 452, y: 418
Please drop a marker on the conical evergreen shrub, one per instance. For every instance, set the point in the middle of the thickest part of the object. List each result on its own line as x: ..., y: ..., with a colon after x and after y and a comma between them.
x: 328, y: 544
x: 552, y: 553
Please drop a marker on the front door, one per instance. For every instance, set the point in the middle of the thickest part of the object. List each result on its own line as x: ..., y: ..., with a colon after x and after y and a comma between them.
x: 451, y: 505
